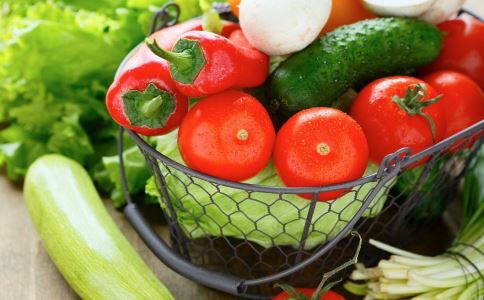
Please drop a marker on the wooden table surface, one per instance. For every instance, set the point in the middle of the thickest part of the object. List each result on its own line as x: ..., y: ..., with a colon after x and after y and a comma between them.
x: 26, y: 271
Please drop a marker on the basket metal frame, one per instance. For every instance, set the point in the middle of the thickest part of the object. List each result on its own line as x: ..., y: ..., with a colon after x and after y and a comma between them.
x: 174, y: 259
x: 389, y: 168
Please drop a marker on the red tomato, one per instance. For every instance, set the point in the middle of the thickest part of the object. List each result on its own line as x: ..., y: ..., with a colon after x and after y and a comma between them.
x: 387, y: 126
x: 228, y: 135
x: 320, y: 146
x: 463, y: 49
x: 462, y: 101
x: 330, y: 295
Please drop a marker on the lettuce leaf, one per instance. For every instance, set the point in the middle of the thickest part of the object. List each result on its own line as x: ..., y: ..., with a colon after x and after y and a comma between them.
x: 55, y: 66
x: 268, y: 219
x: 137, y: 174
x: 57, y: 59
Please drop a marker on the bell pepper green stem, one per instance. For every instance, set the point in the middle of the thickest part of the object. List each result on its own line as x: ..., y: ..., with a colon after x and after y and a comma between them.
x: 152, y: 107
x: 182, y: 60
x: 187, y: 59
x: 212, y: 22
x: 205, y: 5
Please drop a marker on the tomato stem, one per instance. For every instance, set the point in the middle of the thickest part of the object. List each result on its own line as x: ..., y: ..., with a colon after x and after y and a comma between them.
x: 413, y: 103
x: 292, y: 292
x: 323, y: 149
x: 431, y: 123
x: 242, y: 135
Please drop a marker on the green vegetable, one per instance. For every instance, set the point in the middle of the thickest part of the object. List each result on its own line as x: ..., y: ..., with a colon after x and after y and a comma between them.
x: 52, y: 103
x: 81, y: 238
x: 204, y: 209
x: 192, y: 8
x: 211, y: 20
x: 456, y: 274
x: 349, y: 57
x: 474, y: 187
x: 137, y: 174
x: 57, y: 59
x: 431, y: 194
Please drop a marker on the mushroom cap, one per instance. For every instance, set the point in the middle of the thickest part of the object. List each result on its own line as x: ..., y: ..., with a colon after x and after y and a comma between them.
x: 442, y: 10
x: 398, y: 8
x: 279, y: 27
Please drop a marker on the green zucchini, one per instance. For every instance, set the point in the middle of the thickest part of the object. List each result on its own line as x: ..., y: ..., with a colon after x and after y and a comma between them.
x: 349, y: 57
x: 80, y: 236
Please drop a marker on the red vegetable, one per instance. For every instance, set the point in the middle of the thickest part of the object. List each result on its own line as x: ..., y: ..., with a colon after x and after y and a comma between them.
x: 397, y: 112
x: 330, y: 295
x: 143, y: 97
x: 203, y: 63
x: 253, y: 65
x: 462, y: 101
x: 320, y: 146
x: 228, y: 135
x: 145, y: 100
x: 463, y: 49
x: 167, y: 38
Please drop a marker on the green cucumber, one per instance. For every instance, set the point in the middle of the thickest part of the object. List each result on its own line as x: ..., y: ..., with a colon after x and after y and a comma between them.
x: 81, y: 238
x: 349, y: 57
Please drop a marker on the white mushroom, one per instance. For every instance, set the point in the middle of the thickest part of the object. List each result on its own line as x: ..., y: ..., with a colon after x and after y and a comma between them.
x: 442, y: 10
x: 433, y: 11
x: 398, y: 8
x: 279, y: 27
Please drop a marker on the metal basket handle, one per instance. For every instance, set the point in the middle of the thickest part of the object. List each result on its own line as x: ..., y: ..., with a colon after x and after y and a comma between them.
x: 222, y: 282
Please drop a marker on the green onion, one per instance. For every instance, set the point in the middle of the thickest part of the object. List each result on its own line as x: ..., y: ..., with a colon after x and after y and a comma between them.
x: 456, y: 274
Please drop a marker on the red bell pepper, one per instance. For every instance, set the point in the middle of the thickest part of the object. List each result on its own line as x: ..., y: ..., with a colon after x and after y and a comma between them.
x: 253, y: 64
x: 204, y: 63
x: 145, y: 100
x: 143, y: 97
x: 167, y: 38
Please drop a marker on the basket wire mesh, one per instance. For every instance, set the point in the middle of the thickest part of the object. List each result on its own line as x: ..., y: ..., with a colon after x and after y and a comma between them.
x: 219, y: 229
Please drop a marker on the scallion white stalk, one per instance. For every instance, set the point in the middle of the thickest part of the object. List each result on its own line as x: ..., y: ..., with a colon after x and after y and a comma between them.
x: 456, y: 274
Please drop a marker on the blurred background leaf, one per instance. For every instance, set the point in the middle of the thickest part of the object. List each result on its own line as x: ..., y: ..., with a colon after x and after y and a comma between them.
x: 57, y: 59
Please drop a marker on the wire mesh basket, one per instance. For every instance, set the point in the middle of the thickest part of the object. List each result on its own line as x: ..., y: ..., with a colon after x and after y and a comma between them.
x: 242, y: 238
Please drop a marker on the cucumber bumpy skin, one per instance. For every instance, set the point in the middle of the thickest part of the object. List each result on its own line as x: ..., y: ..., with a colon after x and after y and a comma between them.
x: 350, y: 56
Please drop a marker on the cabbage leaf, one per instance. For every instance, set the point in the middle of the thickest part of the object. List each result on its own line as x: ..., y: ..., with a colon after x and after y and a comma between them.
x: 206, y: 209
